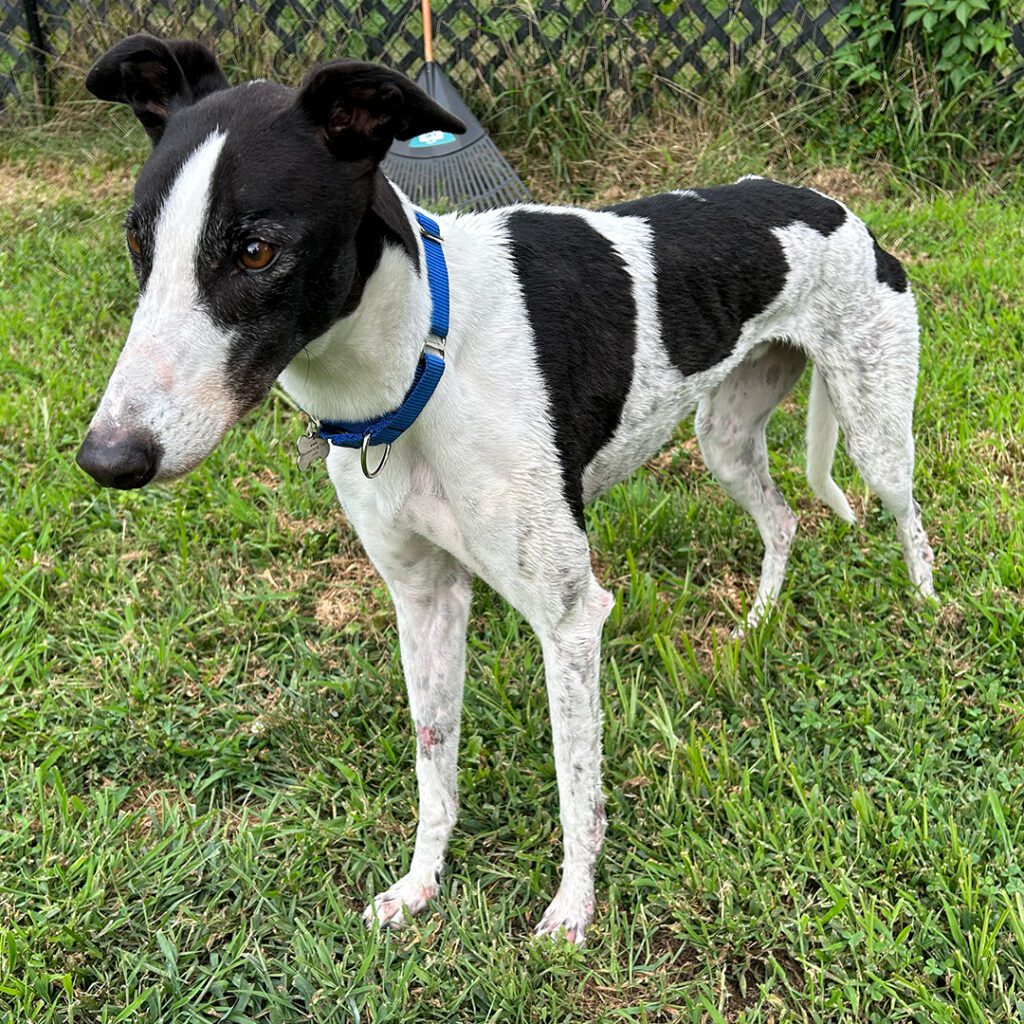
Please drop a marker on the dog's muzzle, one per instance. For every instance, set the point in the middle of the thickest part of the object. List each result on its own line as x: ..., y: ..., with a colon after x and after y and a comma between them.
x: 119, y: 459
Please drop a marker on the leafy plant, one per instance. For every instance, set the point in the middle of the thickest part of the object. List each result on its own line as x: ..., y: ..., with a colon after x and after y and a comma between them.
x: 929, y: 94
x: 960, y: 39
x: 956, y: 40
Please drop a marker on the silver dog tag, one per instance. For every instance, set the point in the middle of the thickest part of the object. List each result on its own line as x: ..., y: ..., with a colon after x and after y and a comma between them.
x: 311, y: 449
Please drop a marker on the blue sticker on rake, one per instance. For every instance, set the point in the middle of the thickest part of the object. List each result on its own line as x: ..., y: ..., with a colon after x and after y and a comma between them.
x: 432, y: 139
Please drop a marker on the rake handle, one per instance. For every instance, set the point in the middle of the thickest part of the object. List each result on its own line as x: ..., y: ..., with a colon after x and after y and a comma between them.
x: 428, y: 33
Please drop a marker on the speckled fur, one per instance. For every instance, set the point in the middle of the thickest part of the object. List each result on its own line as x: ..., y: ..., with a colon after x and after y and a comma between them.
x: 475, y: 487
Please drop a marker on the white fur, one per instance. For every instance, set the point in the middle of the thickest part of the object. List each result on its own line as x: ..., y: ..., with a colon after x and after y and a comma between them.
x: 169, y: 378
x: 822, y: 435
x: 475, y: 484
x: 474, y: 487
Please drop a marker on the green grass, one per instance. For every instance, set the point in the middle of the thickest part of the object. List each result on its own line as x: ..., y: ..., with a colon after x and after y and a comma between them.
x: 206, y: 767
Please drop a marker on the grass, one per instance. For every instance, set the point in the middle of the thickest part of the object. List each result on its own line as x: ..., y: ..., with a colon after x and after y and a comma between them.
x: 205, y: 760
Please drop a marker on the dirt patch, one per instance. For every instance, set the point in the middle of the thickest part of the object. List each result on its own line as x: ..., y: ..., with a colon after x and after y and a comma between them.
x: 811, y: 511
x: 674, y: 962
x: 350, y: 595
x: 737, y: 977
x: 350, y: 590
x: 1003, y: 454
x: 730, y: 591
x: 680, y: 458
x: 841, y: 183
x: 643, y: 160
x: 153, y: 802
x: 950, y: 618
x: 330, y: 523
x: 47, y: 182
x: 344, y: 591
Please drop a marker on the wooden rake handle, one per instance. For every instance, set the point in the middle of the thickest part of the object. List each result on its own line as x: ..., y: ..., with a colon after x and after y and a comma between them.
x: 428, y: 33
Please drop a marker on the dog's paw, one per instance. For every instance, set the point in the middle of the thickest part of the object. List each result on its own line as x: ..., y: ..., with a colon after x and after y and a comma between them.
x: 396, y: 907
x: 760, y: 611
x: 567, y: 916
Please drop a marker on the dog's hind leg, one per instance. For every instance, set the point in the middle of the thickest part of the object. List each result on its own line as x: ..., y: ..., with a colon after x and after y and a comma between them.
x: 874, y: 402
x: 731, y: 430
x: 431, y: 591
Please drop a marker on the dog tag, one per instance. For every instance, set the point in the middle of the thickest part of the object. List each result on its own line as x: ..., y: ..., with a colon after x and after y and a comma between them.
x: 312, y: 449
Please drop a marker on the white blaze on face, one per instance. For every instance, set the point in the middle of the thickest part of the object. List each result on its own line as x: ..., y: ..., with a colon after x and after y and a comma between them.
x: 170, y: 377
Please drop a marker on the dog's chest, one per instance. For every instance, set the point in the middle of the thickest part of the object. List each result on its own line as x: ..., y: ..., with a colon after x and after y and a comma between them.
x: 411, y: 500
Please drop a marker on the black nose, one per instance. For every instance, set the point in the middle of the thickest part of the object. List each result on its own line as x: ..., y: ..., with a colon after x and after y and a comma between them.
x: 119, y: 459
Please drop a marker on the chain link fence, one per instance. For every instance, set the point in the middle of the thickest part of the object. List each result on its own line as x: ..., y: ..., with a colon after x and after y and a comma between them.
x: 620, y: 51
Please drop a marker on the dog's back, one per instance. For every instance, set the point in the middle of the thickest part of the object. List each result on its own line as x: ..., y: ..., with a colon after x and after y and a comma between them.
x: 642, y: 309
x: 268, y: 244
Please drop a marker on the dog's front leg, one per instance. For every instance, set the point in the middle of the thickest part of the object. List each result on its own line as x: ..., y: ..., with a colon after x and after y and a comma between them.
x: 432, y: 592
x: 572, y: 651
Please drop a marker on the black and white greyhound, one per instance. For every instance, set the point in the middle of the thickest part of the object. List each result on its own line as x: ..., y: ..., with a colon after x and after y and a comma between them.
x: 269, y: 246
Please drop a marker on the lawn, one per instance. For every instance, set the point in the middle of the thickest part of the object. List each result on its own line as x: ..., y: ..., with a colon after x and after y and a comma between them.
x: 206, y: 767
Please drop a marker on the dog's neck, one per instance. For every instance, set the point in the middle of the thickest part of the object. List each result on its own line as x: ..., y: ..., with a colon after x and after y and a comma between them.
x: 363, y: 365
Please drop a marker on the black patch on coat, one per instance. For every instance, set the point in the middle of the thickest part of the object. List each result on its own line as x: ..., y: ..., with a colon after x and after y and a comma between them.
x: 718, y: 262
x: 275, y: 179
x: 579, y: 297
x: 888, y: 269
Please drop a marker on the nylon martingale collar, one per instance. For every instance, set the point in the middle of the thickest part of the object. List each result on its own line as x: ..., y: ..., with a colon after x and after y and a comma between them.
x: 388, y: 428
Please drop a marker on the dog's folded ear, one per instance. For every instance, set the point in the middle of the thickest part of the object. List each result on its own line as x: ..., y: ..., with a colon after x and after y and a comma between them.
x: 155, y: 76
x: 362, y: 108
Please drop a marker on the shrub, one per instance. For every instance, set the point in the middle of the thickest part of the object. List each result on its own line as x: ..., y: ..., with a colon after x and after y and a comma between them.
x: 932, y: 93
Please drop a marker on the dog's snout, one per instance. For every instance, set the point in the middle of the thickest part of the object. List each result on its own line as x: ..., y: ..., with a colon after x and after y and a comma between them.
x: 118, y: 458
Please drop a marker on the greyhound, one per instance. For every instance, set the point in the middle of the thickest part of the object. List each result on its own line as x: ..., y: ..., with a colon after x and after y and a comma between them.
x: 269, y: 246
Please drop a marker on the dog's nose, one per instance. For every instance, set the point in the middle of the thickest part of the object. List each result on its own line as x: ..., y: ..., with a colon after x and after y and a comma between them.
x: 119, y: 459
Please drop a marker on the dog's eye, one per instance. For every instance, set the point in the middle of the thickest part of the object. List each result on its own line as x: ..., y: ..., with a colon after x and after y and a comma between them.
x: 134, y: 243
x: 256, y: 254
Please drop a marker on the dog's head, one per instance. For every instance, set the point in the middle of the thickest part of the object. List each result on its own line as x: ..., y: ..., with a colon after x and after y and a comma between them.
x: 256, y: 219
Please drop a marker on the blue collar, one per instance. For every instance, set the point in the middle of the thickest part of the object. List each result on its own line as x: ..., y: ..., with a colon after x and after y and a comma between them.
x: 388, y: 428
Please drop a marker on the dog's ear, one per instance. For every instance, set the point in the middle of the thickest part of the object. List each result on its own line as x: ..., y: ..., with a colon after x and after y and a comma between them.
x: 362, y: 108
x: 155, y: 76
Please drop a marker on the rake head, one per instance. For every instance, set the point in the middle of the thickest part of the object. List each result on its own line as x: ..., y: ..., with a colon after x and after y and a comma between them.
x: 453, y: 172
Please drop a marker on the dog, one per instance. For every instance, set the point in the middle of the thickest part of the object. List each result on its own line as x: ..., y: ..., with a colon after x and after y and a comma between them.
x: 269, y: 246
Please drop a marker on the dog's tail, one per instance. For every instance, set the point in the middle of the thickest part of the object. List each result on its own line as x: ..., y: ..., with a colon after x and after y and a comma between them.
x: 822, y: 434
